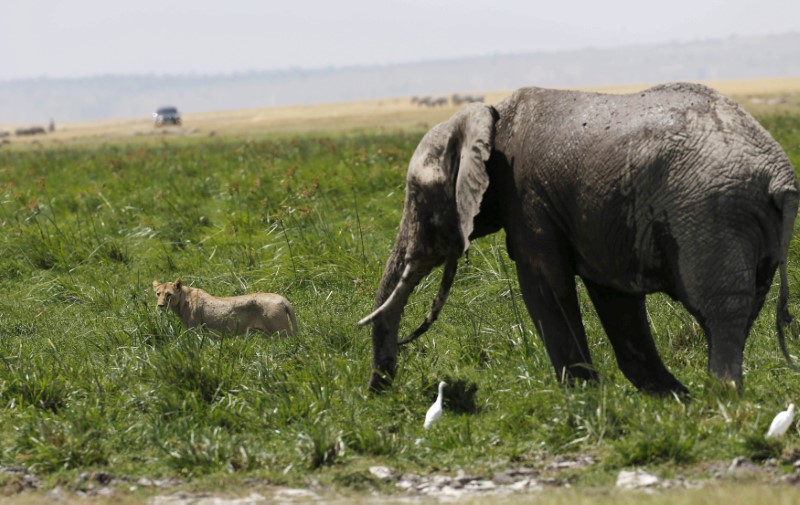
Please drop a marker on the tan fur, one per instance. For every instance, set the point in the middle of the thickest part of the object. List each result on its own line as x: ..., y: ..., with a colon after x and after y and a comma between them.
x: 265, y: 312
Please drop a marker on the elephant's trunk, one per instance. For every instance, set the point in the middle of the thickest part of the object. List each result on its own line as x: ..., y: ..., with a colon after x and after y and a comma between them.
x: 393, y: 293
x: 444, y: 289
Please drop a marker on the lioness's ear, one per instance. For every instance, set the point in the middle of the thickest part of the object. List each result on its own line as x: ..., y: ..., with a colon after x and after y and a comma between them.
x: 178, y: 283
x: 156, y: 284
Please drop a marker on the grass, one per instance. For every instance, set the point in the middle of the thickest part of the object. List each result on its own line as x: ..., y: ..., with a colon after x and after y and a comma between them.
x: 92, y: 377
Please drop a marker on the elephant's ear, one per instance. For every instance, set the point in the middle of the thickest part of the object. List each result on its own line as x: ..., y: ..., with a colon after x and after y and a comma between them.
x: 452, y: 156
x: 473, y: 179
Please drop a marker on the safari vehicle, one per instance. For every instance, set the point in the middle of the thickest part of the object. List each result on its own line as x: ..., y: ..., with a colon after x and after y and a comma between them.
x: 166, y: 116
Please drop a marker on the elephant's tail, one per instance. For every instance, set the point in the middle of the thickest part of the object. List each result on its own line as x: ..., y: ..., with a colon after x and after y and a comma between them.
x: 783, y: 317
x: 787, y: 202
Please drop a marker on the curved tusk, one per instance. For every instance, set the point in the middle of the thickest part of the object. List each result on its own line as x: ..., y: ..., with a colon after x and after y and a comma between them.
x: 402, y: 286
x: 444, y: 290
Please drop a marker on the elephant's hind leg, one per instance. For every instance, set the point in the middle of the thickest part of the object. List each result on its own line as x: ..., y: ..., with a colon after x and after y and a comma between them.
x: 726, y: 321
x: 727, y: 303
x: 556, y: 313
x: 624, y: 318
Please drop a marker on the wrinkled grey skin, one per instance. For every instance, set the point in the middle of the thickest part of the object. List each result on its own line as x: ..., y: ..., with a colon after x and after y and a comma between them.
x: 674, y: 189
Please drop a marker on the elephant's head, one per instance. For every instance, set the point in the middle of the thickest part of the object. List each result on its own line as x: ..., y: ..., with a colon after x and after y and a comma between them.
x: 446, y: 181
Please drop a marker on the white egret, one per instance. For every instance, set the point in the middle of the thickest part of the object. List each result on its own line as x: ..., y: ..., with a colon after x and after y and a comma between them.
x: 435, y: 411
x: 781, y: 422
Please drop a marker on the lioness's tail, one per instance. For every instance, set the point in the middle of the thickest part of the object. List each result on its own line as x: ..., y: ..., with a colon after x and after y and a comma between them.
x: 290, y: 314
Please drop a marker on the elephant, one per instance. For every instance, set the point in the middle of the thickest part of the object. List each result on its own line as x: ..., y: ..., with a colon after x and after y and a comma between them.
x: 675, y: 189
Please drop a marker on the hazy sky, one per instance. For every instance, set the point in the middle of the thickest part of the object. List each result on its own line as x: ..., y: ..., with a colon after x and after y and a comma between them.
x: 70, y: 38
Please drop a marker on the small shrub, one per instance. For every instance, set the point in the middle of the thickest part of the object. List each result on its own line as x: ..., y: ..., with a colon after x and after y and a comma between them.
x: 656, y: 445
x: 759, y: 448
x: 320, y: 444
x: 197, y: 453
x: 74, y: 441
x: 41, y: 387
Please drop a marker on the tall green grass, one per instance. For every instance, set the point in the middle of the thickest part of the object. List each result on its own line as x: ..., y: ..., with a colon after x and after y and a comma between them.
x: 92, y: 376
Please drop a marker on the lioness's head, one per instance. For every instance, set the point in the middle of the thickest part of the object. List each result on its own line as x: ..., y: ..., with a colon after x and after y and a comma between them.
x: 168, y: 293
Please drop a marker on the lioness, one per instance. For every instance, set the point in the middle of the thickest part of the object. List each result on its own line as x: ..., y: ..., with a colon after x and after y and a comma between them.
x: 265, y: 312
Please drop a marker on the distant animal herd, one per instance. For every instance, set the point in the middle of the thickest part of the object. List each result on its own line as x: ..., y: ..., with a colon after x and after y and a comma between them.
x: 21, y: 132
x: 422, y: 101
x: 437, y: 101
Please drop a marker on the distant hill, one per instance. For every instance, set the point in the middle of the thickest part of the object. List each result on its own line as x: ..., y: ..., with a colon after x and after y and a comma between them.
x: 113, y: 97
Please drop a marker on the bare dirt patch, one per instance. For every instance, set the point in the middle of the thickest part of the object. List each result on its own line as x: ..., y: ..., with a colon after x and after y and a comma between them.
x: 548, y: 482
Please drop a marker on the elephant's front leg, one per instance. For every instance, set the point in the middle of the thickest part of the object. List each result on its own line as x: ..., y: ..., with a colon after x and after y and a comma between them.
x: 553, y: 306
x: 624, y: 317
